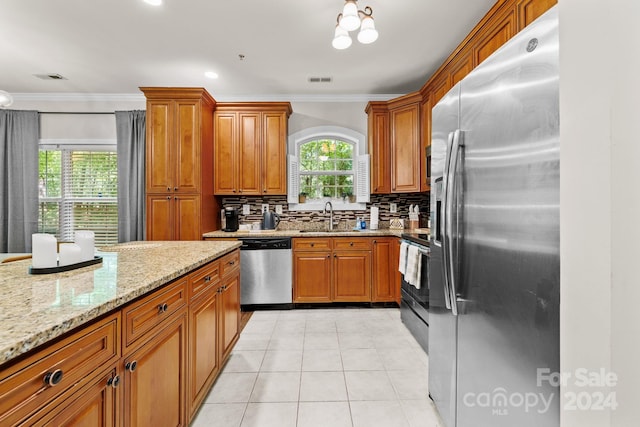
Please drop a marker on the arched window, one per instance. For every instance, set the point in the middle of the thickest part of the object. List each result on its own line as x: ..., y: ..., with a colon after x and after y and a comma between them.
x: 328, y: 165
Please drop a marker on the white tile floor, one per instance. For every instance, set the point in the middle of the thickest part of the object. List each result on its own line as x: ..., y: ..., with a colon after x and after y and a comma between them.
x: 352, y: 367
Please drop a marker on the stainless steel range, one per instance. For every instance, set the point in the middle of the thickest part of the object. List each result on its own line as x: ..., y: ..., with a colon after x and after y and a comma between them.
x: 414, y: 306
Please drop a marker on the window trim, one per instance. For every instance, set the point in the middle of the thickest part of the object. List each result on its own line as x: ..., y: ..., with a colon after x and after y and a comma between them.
x: 67, y: 146
x: 347, y: 135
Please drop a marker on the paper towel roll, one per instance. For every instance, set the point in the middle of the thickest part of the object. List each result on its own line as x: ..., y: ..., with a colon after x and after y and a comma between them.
x: 85, y: 239
x: 374, y: 217
x: 44, y: 252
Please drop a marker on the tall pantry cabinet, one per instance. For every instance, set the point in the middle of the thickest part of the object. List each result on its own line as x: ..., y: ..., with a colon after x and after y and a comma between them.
x: 179, y: 164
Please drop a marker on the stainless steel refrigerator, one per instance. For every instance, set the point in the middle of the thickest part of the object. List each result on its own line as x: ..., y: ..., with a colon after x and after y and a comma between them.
x: 494, y: 272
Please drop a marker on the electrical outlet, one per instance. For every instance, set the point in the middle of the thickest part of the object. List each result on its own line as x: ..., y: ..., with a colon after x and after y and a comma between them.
x: 279, y: 209
x: 393, y: 207
x: 246, y: 209
x: 265, y: 207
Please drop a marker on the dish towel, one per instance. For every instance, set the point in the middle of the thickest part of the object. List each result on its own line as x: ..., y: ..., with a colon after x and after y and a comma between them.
x: 413, y: 259
x: 402, y: 267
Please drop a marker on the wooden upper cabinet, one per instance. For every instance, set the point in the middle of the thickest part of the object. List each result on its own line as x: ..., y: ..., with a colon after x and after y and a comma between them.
x: 379, y: 154
x: 159, y: 170
x: 460, y: 68
x: 250, y: 148
x: 425, y: 146
x: 274, y: 153
x: 179, y: 164
x: 225, y: 135
x: 187, y: 161
x: 405, y: 149
x: 249, y: 153
x: 439, y: 87
x: 529, y: 10
x: 500, y: 28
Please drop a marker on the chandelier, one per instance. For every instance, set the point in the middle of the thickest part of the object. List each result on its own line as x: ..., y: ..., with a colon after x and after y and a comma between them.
x: 350, y: 20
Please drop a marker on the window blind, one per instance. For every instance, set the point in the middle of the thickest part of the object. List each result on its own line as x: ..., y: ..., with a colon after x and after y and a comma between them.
x: 79, y: 192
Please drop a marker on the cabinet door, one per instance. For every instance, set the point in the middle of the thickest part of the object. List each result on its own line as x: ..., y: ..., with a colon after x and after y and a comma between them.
x: 187, y: 157
x: 160, y: 217
x: 461, y: 67
x: 379, y: 152
x: 312, y: 276
x: 203, y: 345
x: 499, y: 30
x: 95, y: 405
x: 352, y: 276
x: 187, y: 215
x: 225, y: 157
x: 425, y: 144
x: 274, y: 153
x: 530, y: 10
x: 405, y: 148
x: 249, y: 154
x: 154, y: 392
x: 440, y: 87
x: 384, y: 286
x: 159, y: 170
x: 230, y: 313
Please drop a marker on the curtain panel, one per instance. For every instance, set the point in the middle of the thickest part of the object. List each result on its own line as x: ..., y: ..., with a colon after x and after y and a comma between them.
x: 19, y: 133
x: 130, y: 134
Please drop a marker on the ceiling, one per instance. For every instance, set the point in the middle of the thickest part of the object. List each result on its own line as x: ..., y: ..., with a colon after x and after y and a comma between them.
x: 115, y: 46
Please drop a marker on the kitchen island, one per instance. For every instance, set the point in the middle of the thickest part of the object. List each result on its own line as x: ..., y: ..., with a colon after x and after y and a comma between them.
x: 141, y: 336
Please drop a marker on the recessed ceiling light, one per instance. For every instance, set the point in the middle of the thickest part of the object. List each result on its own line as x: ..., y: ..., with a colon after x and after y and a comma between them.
x: 153, y: 2
x: 211, y: 75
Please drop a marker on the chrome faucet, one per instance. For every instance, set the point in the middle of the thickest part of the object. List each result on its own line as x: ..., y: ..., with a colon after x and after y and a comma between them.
x: 330, y: 214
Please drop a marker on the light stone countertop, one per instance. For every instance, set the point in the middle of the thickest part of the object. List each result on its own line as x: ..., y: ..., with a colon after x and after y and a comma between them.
x: 305, y: 233
x: 35, y: 309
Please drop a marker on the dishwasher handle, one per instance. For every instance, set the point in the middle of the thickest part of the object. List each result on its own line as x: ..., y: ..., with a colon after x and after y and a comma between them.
x: 265, y: 244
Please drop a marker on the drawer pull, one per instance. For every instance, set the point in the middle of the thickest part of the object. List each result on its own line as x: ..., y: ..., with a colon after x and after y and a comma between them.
x: 313, y: 244
x: 350, y: 243
x: 207, y: 279
x: 53, y: 378
x: 168, y: 188
x: 232, y: 262
x: 162, y: 308
x: 131, y: 366
x: 175, y: 189
x: 114, y: 381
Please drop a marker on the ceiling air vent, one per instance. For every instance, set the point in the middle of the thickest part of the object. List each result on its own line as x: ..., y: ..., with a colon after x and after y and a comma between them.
x: 320, y: 79
x: 50, y: 76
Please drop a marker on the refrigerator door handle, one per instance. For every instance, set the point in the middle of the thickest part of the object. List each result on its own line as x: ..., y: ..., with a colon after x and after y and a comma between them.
x: 450, y: 192
x: 448, y: 302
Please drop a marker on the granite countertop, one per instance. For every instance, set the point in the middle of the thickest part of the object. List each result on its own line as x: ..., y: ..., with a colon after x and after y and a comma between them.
x: 35, y: 309
x: 303, y: 233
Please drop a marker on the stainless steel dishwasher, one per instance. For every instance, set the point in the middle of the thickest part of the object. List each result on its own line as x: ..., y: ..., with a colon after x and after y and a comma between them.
x: 265, y: 272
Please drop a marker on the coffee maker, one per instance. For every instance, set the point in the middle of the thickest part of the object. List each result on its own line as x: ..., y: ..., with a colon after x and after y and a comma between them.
x: 230, y: 219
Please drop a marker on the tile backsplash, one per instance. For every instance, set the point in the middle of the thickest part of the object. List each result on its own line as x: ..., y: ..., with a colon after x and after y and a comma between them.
x: 305, y: 220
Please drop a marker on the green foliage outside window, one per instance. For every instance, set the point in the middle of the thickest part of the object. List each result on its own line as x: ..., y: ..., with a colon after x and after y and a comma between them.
x: 326, y: 168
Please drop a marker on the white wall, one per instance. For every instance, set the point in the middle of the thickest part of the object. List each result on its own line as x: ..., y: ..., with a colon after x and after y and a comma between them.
x: 80, y: 126
x: 600, y: 201
x: 346, y: 114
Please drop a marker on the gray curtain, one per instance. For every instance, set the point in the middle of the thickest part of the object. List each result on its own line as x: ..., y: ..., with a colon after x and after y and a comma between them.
x: 130, y: 131
x: 19, y: 133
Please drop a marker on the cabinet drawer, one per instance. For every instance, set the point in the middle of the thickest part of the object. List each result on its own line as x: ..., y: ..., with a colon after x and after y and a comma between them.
x: 312, y: 244
x: 35, y: 381
x: 229, y: 263
x: 203, y: 278
x: 142, y: 316
x: 349, y: 243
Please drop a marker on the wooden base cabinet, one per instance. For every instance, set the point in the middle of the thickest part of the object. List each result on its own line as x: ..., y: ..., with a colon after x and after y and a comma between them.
x: 150, y: 363
x: 332, y: 270
x: 386, y: 277
x: 312, y: 276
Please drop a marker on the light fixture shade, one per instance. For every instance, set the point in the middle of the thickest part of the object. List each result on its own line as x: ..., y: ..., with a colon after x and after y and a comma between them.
x: 350, y: 20
x: 341, y: 39
x: 5, y: 99
x: 368, y: 33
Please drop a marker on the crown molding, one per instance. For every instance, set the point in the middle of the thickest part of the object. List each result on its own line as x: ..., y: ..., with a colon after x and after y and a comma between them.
x: 137, y: 97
